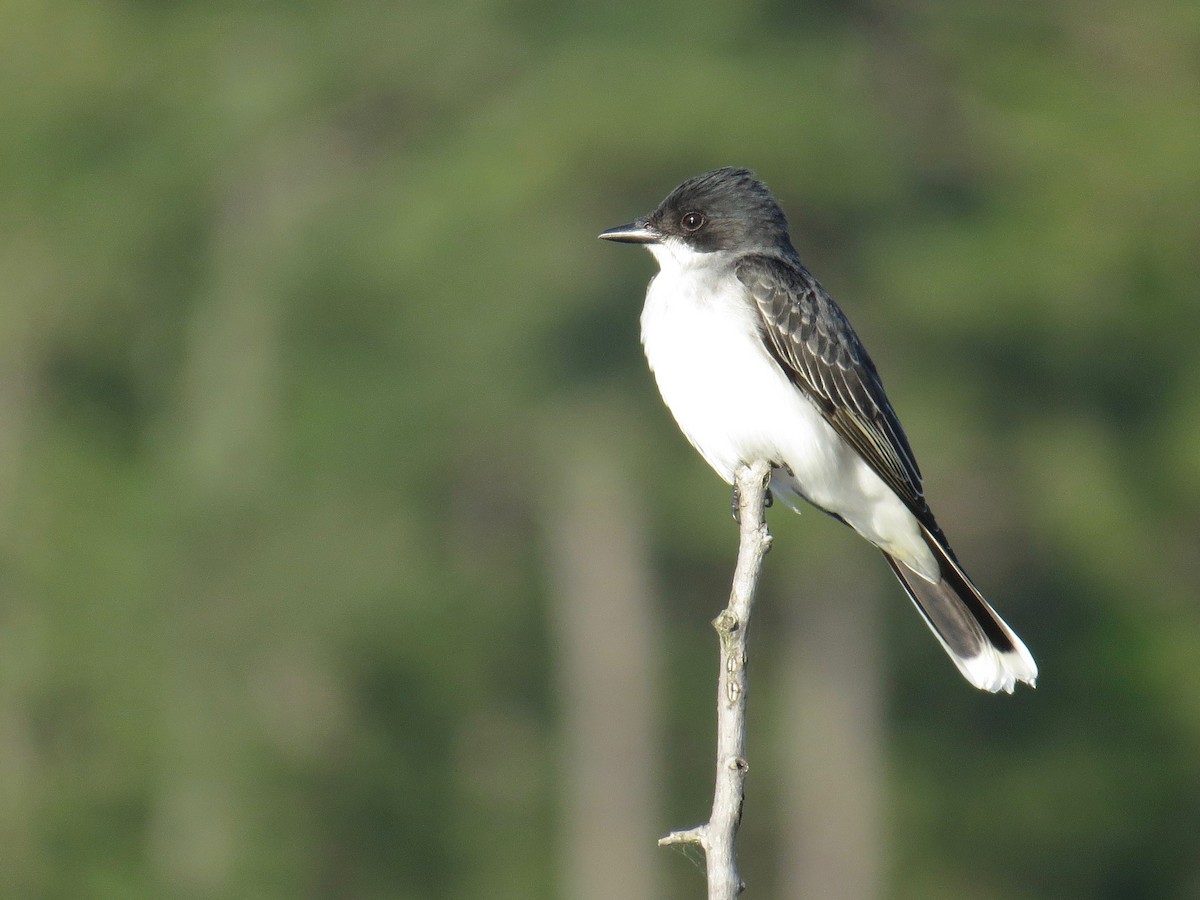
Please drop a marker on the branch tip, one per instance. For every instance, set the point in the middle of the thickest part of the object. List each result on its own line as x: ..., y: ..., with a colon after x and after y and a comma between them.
x: 687, y: 836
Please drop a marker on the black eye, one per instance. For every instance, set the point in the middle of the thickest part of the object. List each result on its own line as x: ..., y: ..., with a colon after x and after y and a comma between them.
x: 691, y: 221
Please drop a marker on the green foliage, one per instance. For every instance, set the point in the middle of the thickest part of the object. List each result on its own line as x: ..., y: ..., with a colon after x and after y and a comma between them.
x: 291, y: 292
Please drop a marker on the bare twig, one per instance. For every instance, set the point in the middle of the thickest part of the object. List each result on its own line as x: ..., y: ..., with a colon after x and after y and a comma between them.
x: 717, y: 835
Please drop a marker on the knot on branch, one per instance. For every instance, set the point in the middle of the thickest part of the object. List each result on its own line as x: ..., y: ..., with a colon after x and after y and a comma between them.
x: 726, y: 623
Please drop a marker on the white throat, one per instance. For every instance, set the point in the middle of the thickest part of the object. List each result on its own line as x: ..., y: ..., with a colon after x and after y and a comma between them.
x: 674, y: 257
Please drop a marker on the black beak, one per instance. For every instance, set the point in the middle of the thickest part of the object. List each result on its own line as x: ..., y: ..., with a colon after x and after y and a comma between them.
x: 633, y: 233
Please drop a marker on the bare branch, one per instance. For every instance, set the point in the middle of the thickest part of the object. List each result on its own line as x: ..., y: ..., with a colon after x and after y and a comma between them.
x: 717, y: 836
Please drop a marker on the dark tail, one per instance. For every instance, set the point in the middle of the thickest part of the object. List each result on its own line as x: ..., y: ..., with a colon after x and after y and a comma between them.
x: 985, y: 649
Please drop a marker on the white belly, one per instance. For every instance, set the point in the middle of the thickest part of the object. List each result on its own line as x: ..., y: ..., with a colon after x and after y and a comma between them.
x: 735, y: 404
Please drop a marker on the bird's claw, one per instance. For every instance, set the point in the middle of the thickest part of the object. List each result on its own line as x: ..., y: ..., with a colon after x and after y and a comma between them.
x: 768, y: 502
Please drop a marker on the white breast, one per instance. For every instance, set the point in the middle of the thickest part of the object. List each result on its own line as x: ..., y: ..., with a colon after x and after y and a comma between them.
x: 710, y: 368
x: 701, y: 339
x: 735, y: 404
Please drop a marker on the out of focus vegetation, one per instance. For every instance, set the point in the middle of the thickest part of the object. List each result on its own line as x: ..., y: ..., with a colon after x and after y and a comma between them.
x: 302, y: 308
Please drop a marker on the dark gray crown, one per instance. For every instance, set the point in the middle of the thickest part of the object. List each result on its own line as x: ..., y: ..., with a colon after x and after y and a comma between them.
x: 738, y: 213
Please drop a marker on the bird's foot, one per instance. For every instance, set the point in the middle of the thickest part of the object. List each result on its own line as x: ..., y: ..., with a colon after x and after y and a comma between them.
x: 768, y: 502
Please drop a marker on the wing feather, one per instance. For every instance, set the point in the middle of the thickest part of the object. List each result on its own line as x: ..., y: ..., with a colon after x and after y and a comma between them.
x: 811, y: 339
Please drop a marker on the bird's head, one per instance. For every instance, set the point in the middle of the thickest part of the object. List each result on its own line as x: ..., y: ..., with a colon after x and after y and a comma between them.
x: 725, y: 210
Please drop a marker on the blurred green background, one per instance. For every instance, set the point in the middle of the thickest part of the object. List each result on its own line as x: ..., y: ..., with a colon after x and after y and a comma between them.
x: 347, y: 550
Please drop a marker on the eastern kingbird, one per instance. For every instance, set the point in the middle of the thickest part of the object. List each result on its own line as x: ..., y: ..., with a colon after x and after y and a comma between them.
x: 756, y: 361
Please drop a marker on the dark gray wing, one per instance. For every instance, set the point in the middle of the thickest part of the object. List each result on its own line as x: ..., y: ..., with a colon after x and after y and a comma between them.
x: 810, y: 338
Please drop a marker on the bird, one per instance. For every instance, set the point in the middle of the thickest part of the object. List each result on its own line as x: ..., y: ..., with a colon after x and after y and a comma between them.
x: 756, y: 361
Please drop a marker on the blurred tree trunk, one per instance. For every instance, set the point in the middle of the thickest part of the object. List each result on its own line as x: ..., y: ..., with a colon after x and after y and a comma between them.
x: 233, y: 365
x: 607, y: 643
x: 833, y: 734
x: 225, y: 449
x: 231, y: 368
